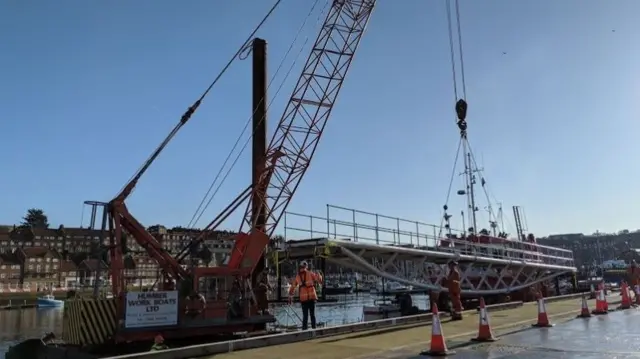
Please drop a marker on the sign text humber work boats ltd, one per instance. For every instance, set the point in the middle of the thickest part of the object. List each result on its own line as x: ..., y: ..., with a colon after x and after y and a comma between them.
x: 147, y: 309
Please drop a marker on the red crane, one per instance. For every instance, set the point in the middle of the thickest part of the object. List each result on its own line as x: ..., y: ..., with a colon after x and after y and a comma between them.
x: 287, y: 159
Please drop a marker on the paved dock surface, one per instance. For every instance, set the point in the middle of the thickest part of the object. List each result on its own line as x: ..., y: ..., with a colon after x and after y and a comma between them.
x: 615, y: 335
x: 408, y: 342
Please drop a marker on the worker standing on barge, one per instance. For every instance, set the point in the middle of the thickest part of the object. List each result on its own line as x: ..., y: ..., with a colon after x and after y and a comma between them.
x: 262, y: 292
x: 453, y: 284
x: 306, y: 280
x: 158, y: 343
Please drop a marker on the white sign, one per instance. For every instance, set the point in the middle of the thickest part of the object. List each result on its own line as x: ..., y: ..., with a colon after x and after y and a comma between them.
x: 151, y: 309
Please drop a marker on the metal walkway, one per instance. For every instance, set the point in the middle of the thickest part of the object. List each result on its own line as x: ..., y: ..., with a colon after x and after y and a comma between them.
x: 411, y: 253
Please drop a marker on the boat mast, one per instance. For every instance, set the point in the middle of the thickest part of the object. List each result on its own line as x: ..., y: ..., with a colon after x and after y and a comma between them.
x: 469, y: 169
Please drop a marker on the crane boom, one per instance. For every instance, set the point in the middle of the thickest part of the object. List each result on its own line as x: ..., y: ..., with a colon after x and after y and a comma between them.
x: 297, y: 135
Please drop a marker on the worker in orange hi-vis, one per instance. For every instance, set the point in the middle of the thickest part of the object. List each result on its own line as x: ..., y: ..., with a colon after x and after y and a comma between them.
x: 306, y: 282
x: 453, y: 284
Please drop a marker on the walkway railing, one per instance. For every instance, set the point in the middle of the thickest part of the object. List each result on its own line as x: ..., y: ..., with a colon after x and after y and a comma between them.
x: 372, y: 228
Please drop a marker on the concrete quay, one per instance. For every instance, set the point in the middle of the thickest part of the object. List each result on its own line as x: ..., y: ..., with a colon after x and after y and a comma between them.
x: 379, y: 339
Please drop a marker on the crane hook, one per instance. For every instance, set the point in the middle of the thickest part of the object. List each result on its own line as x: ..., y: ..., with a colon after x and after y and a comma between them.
x: 461, y: 109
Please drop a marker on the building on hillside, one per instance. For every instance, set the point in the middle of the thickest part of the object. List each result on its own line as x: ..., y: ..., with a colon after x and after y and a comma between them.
x: 68, y: 276
x: 39, y: 268
x: 47, y: 256
x: 175, y: 239
x: 10, y: 272
x: 90, y: 270
x: 141, y: 271
x: 5, y: 235
x: 61, y: 239
x: 596, y: 248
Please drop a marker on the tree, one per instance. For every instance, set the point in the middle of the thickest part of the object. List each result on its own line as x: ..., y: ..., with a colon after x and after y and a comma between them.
x: 35, y: 218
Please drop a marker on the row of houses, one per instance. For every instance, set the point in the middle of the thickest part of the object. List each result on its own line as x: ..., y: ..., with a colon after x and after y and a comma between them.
x: 84, y: 240
x: 41, y: 268
x: 43, y: 259
x: 597, y: 248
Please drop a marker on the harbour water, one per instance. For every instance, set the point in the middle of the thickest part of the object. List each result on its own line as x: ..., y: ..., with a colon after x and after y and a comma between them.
x: 17, y: 325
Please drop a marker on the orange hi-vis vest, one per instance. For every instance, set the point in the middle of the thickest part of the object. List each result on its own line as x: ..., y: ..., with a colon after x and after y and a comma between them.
x: 306, y: 281
x: 453, y: 282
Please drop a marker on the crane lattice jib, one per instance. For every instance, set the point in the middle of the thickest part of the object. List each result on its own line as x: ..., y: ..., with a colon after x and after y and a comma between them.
x: 300, y: 128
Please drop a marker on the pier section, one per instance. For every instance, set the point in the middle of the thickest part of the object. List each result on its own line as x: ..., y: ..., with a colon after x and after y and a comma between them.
x: 416, y: 254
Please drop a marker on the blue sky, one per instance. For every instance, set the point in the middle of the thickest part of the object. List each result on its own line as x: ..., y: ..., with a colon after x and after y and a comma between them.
x: 89, y: 88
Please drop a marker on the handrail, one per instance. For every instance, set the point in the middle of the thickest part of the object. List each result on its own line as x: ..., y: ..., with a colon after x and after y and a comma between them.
x: 384, y: 236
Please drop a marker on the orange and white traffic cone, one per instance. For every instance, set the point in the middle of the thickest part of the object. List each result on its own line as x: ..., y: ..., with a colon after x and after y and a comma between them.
x: 626, y: 299
x: 584, y: 311
x: 438, y: 346
x: 631, y: 294
x: 601, y: 304
x: 543, y: 318
x: 485, y: 334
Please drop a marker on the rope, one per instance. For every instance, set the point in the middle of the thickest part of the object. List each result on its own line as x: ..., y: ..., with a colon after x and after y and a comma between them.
x: 196, y: 104
x: 454, y: 75
x: 211, y: 192
x: 461, y: 52
x: 241, y: 50
x: 452, y: 52
x: 453, y: 175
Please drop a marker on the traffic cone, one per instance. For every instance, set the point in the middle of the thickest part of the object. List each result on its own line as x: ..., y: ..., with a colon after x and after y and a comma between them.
x: 601, y: 304
x: 543, y: 318
x: 626, y: 299
x: 631, y: 293
x: 485, y: 334
x: 438, y: 346
x: 584, y: 312
x: 592, y: 292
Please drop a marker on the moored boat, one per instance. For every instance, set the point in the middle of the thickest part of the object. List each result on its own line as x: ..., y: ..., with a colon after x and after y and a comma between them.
x: 49, y: 301
x: 392, y: 287
x: 338, y: 288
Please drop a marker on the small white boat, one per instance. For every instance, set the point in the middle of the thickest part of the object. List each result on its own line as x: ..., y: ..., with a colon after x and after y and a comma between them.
x: 49, y: 301
x: 380, y: 310
x: 391, y: 287
x: 338, y: 288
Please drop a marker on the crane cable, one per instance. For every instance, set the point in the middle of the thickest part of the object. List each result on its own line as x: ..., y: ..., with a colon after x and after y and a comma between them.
x: 191, y: 110
x: 463, y: 83
x: 452, y: 53
x: 209, y: 196
x: 241, y: 50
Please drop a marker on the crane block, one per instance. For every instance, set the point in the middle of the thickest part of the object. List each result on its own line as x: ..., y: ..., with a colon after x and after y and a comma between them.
x: 247, y: 250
